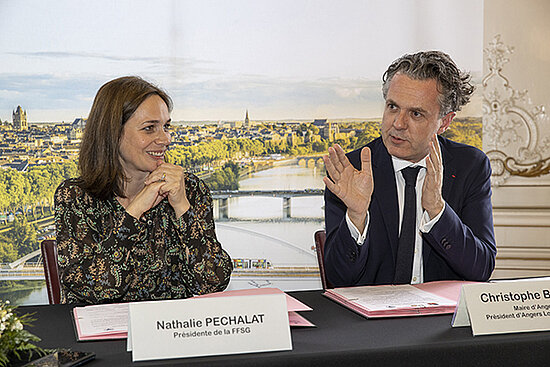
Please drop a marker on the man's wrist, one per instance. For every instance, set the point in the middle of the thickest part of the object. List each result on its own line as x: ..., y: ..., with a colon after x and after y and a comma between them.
x: 358, y: 220
x: 436, y: 209
x: 426, y: 224
x: 358, y: 237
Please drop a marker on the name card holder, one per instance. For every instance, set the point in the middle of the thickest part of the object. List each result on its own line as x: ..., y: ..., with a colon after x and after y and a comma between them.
x: 208, y: 326
x: 504, y: 307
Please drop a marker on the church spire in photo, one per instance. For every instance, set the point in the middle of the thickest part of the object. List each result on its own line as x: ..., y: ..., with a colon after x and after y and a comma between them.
x: 19, y: 118
x: 246, y: 121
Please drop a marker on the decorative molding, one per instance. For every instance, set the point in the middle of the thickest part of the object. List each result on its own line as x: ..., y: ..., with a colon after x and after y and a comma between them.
x: 516, y: 219
x: 511, y: 123
x: 539, y: 168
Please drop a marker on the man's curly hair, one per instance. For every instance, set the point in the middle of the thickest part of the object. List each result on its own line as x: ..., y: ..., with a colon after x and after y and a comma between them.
x: 454, y: 86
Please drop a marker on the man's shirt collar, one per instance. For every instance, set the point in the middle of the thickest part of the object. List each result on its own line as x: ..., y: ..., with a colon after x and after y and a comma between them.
x: 399, y: 164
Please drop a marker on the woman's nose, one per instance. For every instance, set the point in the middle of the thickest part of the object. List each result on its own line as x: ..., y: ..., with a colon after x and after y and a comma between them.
x: 163, y: 138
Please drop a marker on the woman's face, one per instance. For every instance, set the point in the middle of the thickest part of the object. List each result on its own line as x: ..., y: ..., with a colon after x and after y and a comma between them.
x: 145, y: 138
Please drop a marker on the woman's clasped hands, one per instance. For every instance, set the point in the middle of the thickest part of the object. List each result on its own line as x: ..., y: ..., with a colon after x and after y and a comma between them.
x: 166, y: 181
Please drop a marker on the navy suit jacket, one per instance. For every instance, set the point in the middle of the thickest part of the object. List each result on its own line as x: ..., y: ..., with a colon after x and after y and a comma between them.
x: 460, y: 246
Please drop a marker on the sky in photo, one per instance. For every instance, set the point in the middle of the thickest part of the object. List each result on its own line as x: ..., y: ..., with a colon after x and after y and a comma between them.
x: 284, y: 59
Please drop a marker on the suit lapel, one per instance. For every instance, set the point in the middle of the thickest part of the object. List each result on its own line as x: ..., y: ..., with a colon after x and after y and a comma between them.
x: 385, y: 193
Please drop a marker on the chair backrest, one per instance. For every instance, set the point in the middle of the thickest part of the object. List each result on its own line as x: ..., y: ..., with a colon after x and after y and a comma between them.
x: 320, y: 237
x: 51, y: 271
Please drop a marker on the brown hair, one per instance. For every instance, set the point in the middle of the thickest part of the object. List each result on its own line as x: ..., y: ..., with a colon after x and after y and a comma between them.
x: 101, y: 172
x: 453, y: 85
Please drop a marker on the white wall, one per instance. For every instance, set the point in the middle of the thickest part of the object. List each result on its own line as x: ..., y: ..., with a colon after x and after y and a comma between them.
x: 517, y: 131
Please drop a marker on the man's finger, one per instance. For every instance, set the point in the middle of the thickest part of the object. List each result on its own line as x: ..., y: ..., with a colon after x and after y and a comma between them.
x: 331, y: 186
x: 366, y: 160
x: 344, y: 161
x: 430, y: 168
x: 437, y: 148
x: 333, y: 155
x: 331, y: 170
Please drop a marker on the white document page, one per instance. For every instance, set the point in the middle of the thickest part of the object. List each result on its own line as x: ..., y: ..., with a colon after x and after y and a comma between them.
x: 102, y: 319
x: 382, y: 298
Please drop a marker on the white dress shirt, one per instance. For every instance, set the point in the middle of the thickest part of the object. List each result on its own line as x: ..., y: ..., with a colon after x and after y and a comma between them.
x: 423, y: 222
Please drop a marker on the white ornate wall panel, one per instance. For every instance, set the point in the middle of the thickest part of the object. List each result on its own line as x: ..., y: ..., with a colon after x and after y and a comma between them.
x: 516, y: 132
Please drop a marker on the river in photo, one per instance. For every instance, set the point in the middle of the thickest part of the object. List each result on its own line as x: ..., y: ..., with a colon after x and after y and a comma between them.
x: 255, y: 229
x: 32, y: 294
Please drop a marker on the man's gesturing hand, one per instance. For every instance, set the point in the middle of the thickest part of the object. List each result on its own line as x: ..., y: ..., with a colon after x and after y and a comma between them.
x: 432, y: 199
x: 353, y: 187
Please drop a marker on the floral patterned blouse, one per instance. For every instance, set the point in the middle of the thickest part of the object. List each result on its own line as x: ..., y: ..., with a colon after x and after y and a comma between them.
x: 106, y: 255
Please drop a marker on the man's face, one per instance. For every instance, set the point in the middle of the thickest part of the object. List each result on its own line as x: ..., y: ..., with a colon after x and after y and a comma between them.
x: 411, y: 117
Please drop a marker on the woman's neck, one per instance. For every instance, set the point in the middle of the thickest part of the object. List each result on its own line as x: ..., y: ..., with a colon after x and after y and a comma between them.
x: 132, y: 188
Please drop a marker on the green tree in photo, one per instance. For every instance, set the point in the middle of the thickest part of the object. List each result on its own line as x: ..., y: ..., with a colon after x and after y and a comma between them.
x: 22, y: 236
x: 320, y: 146
x: 369, y: 131
x: 465, y: 131
x: 8, y: 253
x: 226, y: 178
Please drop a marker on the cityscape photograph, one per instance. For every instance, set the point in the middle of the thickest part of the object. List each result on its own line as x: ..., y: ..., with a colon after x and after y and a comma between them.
x: 260, y: 92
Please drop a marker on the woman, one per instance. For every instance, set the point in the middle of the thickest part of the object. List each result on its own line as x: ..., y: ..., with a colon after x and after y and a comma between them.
x: 133, y: 227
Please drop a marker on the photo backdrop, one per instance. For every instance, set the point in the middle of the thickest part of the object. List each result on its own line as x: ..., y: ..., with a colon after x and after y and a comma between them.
x: 260, y: 89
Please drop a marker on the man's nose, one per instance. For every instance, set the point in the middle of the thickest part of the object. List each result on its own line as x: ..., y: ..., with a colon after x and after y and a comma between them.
x: 400, y: 122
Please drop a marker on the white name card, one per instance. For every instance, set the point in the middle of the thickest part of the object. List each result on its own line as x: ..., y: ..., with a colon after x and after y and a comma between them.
x: 504, y: 307
x: 208, y: 326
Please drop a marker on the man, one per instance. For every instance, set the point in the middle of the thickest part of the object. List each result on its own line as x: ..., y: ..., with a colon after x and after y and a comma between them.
x: 411, y: 207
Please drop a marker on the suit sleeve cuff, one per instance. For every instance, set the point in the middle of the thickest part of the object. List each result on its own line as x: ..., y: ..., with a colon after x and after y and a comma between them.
x: 426, y: 224
x: 354, y: 232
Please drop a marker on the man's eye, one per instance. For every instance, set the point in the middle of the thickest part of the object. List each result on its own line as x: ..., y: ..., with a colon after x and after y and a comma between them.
x: 391, y: 106
x: 416, y: 114
x: 167, y: 127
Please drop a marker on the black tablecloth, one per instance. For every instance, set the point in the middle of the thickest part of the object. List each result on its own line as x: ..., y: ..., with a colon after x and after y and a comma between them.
x: 341, y: 338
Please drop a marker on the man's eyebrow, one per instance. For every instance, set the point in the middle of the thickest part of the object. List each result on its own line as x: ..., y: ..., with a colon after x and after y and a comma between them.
x: 416, y: 109
x: 419, y: 109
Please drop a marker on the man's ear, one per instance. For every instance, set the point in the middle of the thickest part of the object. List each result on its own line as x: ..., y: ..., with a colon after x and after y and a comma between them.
x: 445, y: 122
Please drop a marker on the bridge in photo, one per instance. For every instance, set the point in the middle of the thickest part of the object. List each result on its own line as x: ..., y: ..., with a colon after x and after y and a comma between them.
x: 42, y: 222
x: 22, y: 269
x: 222, y: 198
x: 310, y: 161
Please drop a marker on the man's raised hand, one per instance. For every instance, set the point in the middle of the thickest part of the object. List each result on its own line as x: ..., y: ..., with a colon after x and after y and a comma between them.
x: 350, y: 185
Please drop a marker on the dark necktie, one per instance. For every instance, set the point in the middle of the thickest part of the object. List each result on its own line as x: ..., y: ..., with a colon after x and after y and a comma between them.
x: 407, y: 237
